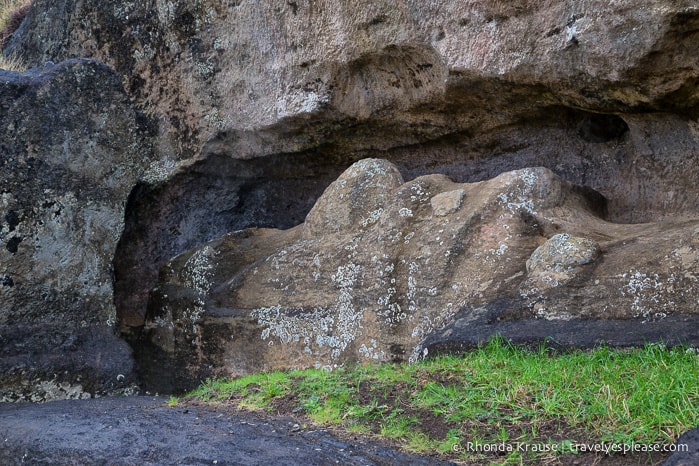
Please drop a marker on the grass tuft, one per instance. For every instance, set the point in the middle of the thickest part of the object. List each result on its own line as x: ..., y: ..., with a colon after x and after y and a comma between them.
x: 12, y: 12
x: 11, y: 63
x: 494, y: 395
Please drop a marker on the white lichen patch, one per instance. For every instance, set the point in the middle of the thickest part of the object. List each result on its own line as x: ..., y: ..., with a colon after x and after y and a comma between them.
x: 371, y: 351
x: 293, y: 325
x: 158, y: 171
x: 372, y: 218
x: 203, y: 69
x: 371, y: 168
x: 405, y: 212
x: 408, y: 237
x: 197, y: 271
x: 111, y: 317
x: 520, y: 195
x: 297, y: 101
x: 196, y: 275
x: 657, y: 295
x: 419, y: 192
x: 500, y: 251
x: 166, y: 13
x: 217, y: 120
x: 653, y: 296
x: 334, y: 327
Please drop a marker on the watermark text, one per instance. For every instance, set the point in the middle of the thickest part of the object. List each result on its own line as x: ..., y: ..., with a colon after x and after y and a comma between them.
x: 568, y: 446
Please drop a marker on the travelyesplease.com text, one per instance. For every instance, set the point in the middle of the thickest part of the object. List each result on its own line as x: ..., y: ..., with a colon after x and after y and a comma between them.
x: 569, y: 447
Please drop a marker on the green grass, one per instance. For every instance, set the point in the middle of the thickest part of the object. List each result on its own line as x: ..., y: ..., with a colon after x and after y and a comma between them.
x: 495, y: 394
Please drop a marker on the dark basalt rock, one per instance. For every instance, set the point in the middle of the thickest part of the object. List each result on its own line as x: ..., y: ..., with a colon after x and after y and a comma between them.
x: 70, y: 152
x: 255, y: 107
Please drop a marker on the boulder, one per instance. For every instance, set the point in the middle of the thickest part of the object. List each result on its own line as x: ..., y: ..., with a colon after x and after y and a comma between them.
x: 259, y: 106
x: 381, y: 266
x: 603, y: 94
x: 686, y: 450
x: 72, y: 148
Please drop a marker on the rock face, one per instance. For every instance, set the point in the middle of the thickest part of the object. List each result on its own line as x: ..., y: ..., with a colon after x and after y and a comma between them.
x: 71, y: 150
x: 370, y: 59
x: 602, y: 94
x: 381, y: 264
x: 259, y: 106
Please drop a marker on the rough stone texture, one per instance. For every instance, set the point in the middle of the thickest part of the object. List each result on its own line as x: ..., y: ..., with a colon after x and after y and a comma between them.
x: 358, y: 59
x: 202, y: 201
x: 603, y: 94
x: 375, y: 270
x: 260, y: 105
x: 474, y: 326
x: 71, y: 149
x: 558, y: 260
x: 689, y: 457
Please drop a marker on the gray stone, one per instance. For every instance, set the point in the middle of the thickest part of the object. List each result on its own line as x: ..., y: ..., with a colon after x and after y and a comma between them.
x: 380, y: 273
x: 687, y: 453
x: 559, y: 259
x: 563, y: 252
x: 357, y: 197
x: 259, y: 106
x: 72, y: 149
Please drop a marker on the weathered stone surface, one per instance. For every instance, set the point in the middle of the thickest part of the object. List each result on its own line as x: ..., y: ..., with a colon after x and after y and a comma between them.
x: 687, y: 457
x: 359, y: 59
x: 603, y: 94
x: 260, y: 105
x: 371, y: 276
x: 202, y: 201
x: 556, y: 262
x: 364, y: 187
x: 71, y: 149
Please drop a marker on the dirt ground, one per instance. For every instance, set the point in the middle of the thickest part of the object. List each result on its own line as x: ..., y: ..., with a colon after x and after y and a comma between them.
x: 143, y: 430
x: 435, y: 427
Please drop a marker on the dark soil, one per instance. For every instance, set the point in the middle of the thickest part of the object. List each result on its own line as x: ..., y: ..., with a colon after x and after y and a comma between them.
x: 146, y: 431
x: 437, y: 428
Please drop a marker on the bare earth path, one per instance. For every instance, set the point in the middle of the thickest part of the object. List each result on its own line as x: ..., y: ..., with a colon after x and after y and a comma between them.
x: 144, y: 431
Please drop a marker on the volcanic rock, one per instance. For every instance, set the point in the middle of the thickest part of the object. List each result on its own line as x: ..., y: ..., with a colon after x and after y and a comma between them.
x: 72, y: 148
x: 381, y: 265
x: 267, y: 103
x: 259, y: 106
